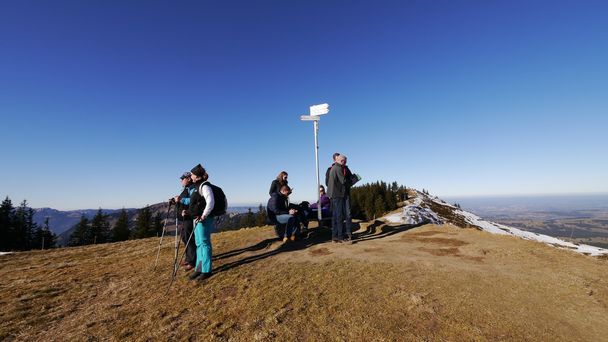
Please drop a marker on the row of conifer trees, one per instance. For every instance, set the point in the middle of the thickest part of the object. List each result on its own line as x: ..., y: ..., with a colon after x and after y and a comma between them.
x: 373, y: 200
x: 19, y: 232
x: 98, y: 229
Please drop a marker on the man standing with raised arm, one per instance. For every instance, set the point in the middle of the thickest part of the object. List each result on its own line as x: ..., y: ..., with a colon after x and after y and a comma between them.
x: 338, y: 189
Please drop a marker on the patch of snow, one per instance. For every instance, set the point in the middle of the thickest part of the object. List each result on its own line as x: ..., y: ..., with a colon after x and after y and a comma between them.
x: 394, y: 218
x: 496, y: 228
x: 2, y: 253
x: 414, y: 214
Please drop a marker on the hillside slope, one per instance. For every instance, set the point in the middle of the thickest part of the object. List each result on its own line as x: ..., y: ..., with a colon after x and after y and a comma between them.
x: 397, y: 282
x: 421, y: 208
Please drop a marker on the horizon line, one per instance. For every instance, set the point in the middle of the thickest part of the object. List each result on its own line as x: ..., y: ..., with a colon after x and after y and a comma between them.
x: 256, y: 205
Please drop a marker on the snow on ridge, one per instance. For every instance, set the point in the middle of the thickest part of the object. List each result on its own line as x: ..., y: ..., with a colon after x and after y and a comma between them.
x: 414, y: 214
x: 3, y: 253
x: 496, y: 228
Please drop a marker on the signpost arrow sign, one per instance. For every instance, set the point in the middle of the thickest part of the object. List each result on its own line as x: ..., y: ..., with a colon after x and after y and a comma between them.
x: 309, y: 118
x: 319, y: 109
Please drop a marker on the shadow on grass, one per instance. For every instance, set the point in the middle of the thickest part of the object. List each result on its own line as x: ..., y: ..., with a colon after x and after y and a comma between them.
x: 264, y: 244
x: 371, y: 233
x: 376, y: 230
x: 310, y: 238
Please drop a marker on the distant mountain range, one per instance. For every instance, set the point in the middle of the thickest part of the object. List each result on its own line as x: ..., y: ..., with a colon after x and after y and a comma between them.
x: 62, y: 222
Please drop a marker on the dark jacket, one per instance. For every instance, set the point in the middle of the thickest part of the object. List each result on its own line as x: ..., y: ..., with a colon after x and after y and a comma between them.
x: 338, y: 183
x: 327, y: 174
x: 275, y: 186
x: 197, y: 201
x: 349, y: 174
x: 277, y: 205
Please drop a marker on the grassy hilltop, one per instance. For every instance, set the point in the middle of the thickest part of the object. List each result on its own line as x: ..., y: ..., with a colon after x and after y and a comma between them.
x: 433, y: 282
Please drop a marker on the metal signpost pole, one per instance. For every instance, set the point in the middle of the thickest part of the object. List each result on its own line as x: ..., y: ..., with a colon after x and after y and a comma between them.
x: 315, y: 115
x: 316, y: 128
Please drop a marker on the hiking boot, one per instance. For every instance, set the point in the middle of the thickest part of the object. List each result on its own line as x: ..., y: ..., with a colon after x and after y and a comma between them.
x: 336, y: 240
x: 292, y: 238
x: 194, y: 275
x: 349, y: 240
x: 188, y: 267
x: 285, y: 239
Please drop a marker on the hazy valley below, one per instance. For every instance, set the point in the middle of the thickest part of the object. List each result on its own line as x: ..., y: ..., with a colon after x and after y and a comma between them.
x: 577, y: 218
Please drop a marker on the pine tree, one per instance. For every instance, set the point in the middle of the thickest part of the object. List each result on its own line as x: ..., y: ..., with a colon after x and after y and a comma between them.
x: 79, y: 236
x: 37, y: 237
x: 24, y: 227
x: 120, y: 231
x: 44, y: 238
x: 260, y: 217
x: 402, y: 193
x: 394, y: 187
x: 6, y: 225
x: 158, y: 225
x: 379, y: 207
x: 390, y: 199
x: 49, y: 239
x: 248, y: 220
x: 143, y: 224
x: 100, y: 228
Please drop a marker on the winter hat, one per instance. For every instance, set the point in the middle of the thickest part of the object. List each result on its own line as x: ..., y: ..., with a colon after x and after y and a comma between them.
x: 185, y: 175
x: 198, y: 170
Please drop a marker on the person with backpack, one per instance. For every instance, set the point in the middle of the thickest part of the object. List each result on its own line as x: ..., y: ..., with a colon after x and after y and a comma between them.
x: 202, y: 202
x: 182, y: 201
x: 277, y: 183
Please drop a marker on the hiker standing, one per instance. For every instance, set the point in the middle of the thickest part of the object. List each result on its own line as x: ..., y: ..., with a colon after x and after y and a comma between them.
x: 279, y: 211
x: 338, y: 189
x: 201, y: 204
x: 277, y: 183
x: 181, y: 203
x: 334, y: 157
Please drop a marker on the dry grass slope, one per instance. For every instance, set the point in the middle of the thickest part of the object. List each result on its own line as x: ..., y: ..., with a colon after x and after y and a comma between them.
x: 395, y: 283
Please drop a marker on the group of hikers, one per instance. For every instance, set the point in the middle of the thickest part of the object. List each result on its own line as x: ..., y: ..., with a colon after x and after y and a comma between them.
x: 195, y: 211
x: 291, y: 220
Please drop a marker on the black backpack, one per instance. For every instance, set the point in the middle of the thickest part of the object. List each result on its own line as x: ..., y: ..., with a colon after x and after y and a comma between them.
x: 221, y: 204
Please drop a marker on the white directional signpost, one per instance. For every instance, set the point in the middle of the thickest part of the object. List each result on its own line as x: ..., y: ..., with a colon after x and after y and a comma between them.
x: 315, y: 115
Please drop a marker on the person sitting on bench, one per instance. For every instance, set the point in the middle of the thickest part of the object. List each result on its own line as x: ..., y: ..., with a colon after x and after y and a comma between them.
x: 280, y: 213
x: 323, y: 202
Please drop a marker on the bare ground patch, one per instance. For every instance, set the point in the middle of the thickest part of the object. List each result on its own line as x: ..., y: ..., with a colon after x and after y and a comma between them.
x: 319, y: 252
x: 426, y: 233
x: 437, y: 241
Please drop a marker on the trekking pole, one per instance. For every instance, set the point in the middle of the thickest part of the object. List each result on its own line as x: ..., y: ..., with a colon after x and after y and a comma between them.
x: 182, y: 257
x: 177, y: 241
x: 162, y: 235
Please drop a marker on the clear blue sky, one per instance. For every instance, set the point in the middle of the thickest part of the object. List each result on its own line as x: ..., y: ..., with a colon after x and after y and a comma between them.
x: 105, y: 103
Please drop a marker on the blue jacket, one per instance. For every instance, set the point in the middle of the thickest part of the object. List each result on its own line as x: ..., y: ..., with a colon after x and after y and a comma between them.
x: 184, y: 201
